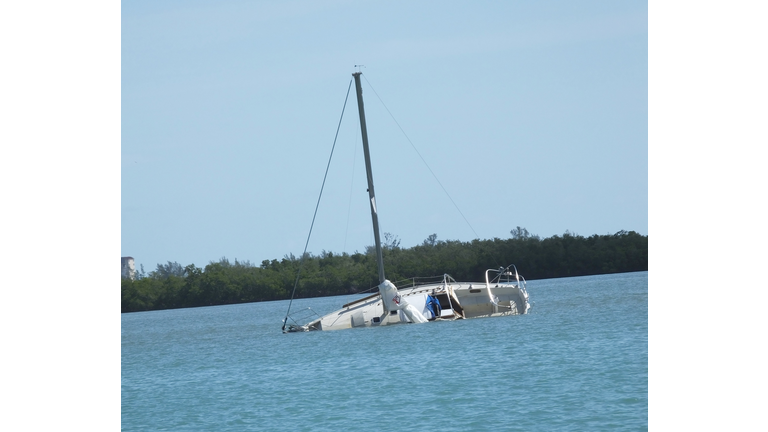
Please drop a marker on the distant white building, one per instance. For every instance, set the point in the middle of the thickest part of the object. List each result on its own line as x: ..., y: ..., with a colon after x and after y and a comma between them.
x: 127, y: 268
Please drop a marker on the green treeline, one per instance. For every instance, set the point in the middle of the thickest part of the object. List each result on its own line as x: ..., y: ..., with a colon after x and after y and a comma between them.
x: 173, y: 286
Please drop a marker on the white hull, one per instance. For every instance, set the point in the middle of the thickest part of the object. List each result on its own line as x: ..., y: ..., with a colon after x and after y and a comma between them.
x: 458, y: 300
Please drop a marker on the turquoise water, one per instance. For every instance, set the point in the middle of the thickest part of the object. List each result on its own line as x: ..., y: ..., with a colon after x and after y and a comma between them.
x: 578, y: 361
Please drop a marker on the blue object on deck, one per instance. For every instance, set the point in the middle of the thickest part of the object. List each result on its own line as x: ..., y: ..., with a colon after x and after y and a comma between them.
x: 434, y: 306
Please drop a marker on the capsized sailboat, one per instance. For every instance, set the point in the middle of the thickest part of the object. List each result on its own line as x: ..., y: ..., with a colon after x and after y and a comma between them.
x: 447, y: 299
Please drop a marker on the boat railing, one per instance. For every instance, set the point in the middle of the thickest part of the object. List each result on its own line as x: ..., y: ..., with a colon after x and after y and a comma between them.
x: 360, y: 300
x: 504, y: 276
x: 305, y: 316
x: 417, y: 281
x: 400, y: 284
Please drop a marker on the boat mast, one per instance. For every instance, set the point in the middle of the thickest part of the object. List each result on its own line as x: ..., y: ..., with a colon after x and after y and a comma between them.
x: 371, y: 194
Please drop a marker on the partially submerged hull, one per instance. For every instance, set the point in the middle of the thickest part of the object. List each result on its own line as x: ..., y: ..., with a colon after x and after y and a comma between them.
x: 448, y: 300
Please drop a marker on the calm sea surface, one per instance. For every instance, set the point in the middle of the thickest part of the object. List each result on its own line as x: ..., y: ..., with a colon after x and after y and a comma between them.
x: 578, y: 361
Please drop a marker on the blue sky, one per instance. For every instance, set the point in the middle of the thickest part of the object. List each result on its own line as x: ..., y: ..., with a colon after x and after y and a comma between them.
x: 529, y: 114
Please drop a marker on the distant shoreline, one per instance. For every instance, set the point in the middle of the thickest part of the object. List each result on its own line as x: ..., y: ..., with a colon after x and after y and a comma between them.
x: 172, y: 286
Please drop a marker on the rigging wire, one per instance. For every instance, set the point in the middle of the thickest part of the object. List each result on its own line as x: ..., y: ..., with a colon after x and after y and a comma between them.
x: 422, y: 158
x: 496, y: 258
x: 306, y: 245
